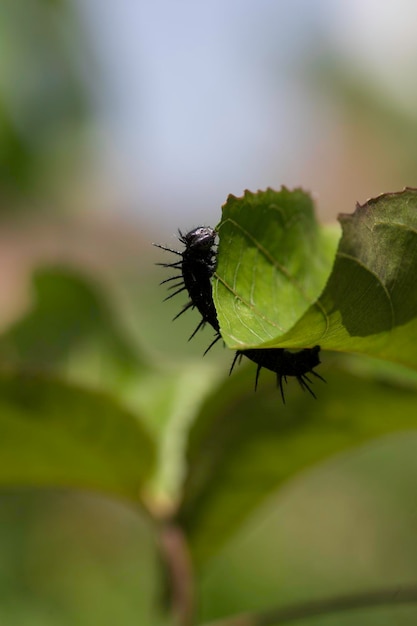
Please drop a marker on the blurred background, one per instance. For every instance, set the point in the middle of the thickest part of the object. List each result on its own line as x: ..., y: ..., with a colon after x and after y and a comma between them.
x: 121, y: 122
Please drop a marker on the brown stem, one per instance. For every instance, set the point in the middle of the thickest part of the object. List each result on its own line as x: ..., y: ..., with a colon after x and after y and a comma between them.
x: 180, y: 575
x: 274, y: 617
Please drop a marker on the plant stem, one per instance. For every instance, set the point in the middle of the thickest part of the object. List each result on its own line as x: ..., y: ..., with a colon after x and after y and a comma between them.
x: 180, y: 576
x: 274, y: 617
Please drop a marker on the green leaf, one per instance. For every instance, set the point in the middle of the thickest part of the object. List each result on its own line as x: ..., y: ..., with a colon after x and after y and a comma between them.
x: 244, y: 446
x: 370, y: 301
x: 44, y: 103
x: 56, y: 435
x: 69, y: 311
x: 273, y: 263
x: 335, y: 606
x: 169, y: 399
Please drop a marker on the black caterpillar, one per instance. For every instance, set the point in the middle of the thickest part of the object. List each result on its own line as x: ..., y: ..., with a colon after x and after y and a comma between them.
x: 195, y: 270
x: 284, y: 363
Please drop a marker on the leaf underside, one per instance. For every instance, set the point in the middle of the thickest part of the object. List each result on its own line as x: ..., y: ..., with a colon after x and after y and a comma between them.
x: 281, y: 283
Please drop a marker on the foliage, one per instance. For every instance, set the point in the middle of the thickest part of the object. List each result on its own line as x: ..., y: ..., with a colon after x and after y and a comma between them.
x: 199, y: 452
x: 44, y: 104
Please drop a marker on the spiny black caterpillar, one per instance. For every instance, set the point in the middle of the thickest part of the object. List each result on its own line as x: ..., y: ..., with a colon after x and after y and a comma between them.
x: 284, y: 363
x: 195, y: 270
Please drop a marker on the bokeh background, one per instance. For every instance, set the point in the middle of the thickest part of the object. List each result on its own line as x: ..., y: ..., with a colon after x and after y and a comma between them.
x: 119, y: 123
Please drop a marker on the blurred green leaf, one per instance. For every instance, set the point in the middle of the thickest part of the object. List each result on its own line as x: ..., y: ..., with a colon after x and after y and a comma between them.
x: 44, y: 103
x: 69, y: 311
x: 15, y: 154
x: 57, y: 435
x: 273, y: 263
x: 244, y: 446
x: 333, y: 608
x: 169, y: 400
